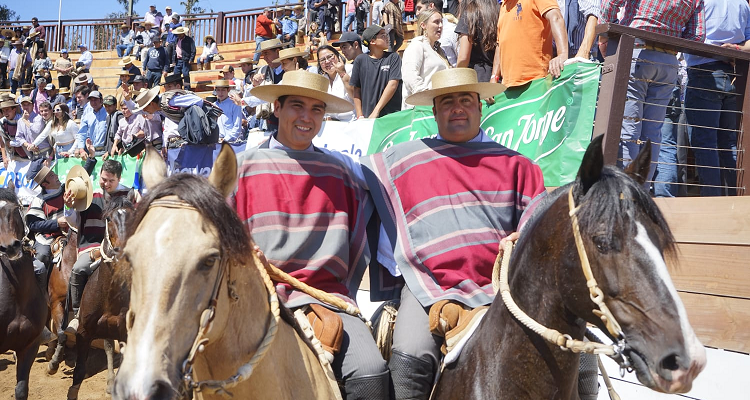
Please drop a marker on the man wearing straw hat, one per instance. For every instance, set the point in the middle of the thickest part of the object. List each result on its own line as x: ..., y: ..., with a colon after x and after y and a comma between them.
x: 184, y: 54
x: 19, y: 61
x: 269, y: 74
x: 230, y: 123
x: 8, y: 132
x: 492, y: 191
x: 320, y: 239
x: 289, y: 27
x: 4, y: 57
x: 125, y: 41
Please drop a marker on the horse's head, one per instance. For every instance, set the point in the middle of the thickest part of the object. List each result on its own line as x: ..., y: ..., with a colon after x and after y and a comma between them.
x: 12, y: 228
x: 182, y: 235
x: 116, y: 215
x: 626, y: 237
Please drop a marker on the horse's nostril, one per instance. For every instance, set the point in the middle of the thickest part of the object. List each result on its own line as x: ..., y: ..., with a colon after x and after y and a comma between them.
x: 16, y: 244
x: 161, y: 390
x: 670, y: 362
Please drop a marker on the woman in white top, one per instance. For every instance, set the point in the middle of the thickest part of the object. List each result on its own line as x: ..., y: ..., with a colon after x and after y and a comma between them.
x: 424, y: 56
x: 209, y: 51
x: 62, y: 129
x: 331, y: 65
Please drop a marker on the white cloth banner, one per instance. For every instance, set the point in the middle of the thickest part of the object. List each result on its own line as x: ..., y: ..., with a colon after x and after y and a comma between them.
x: 26, y: 189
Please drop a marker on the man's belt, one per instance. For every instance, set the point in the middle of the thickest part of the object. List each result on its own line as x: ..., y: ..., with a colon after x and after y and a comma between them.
x: 100, y: 148
x: 655, y: 48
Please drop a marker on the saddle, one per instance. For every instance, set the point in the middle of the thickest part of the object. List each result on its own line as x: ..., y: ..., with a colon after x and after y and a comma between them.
x: 328, y: 327
x: 451, y: 320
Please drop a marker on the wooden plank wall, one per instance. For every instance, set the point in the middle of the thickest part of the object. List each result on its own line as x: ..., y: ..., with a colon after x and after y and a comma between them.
x: 712, y: 270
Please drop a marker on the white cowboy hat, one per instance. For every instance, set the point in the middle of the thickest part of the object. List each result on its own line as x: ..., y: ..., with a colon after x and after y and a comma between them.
x: 272, y: 44
x: 306, y: 84
x: 145, y: 98
x: 79, y: 182
x: 181, y: 31
x: 126, y: 60
x: 221, y: 83
x: 455, y: 80
x: 290, y: 53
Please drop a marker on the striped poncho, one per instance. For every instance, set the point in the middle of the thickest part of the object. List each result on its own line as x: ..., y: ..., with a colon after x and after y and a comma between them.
x: 308, y: 215
x: 445, y: 208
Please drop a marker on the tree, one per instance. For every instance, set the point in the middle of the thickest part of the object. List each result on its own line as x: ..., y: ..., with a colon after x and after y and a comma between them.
x: 191, y: 7
x: 126, y: 6
x: 6, y: 14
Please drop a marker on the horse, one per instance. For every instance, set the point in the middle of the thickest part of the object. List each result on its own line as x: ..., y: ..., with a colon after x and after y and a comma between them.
x: 105, y: 300
x: 202, y: 305
x: 624, y: 239
x: 58, y: 297
x: 23, y: 305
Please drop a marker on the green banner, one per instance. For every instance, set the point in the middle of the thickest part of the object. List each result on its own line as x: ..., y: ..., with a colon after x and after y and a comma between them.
x: 129, y: 168
x: 549, y: 121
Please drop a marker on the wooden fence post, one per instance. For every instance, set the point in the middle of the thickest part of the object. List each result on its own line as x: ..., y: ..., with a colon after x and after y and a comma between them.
x: 220, y: 28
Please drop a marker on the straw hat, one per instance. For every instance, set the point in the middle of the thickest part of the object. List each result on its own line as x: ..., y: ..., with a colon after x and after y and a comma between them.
x: 272, y: 44
x: 124, y: 26
x: 79, y: 182
x: 455, y: 80
x: 221, y: 83
x: 82, y: 78
x: 38, y: 171
x: 291, y: 53
x: 209, y: 36
x: 248, y: 60
x: 126, y: 60
x: 8, y: 33
x: 181, y: 31
x: 64, y: 90
x: 17, y: 43
x: 148, y: 24
x: 306, y: 84
x: 8, y: 104
x: 123, y: 72
x: 33, y: 34
x: 26, y: 86
x: 145, y: 98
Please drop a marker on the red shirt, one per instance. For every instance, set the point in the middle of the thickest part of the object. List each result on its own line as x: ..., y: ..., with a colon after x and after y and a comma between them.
x: 678, y: 18
x: 264, y: 27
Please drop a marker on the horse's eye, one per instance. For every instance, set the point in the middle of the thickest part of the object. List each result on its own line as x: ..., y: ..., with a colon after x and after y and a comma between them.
x: 603, y: 243
x: 208, y: 263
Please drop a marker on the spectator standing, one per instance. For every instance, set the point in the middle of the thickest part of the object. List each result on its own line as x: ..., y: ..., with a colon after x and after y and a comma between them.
x: 143, y: 40
x: 524, y: 36
x: 155, y: 63
x: 711, y: 97
x: 131, y: 128
x: 41, y: 64
x: 63, y: 129
x: 30, y: 126
x: 54, y: 95
x: 40, y: 30
x: 477, y: 36
x: 16, y: 57
x: 127, y: 64
x: 39, y: 95
x: 376, y: 76
x: 230, y: 122
x: 263, y: 30
x: 350, y: 44
x: 581, y: 18
x: 9, y: 123
x: 85, y: 60
x: 64, y: 68
x: 392, y: 16
x: 672, y: 152
x: 154, y: 17
x: 208, y: 53
x: 171, y: 37
x: 363, y: 6
x: 448, y: 39
x: 4, y: 58
x: 654, y: 72
x: 125, y: 41
x: 246, y: 65
x: 331, y: 65
x: 93, y: 125
x: 422, y: 58
x: 168, y: 16
x: 351, y: 13
x: 227, y: 74
x: 377, y: 12
x: 299, y: 16
x: 289, y: 27
x: 184, y: 54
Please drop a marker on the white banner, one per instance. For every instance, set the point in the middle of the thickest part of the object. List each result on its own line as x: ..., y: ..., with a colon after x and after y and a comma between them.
x: 26, y: 189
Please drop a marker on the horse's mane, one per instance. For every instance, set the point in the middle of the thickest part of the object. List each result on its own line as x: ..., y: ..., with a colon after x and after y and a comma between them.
x: 8, y: 195
x: 613, y: 201
x: 117, y: 203
x: 198, y: 192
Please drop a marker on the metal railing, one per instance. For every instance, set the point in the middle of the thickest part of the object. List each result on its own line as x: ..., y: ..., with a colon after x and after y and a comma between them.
x: 611, y: 109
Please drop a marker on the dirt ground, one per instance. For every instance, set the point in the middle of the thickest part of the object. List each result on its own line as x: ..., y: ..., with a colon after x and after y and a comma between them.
x: 55, y: 387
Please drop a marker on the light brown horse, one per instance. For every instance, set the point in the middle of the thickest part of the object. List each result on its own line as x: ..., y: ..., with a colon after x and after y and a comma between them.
x: 23, y: 306
x: 58, y: 295
x: 187, y: 241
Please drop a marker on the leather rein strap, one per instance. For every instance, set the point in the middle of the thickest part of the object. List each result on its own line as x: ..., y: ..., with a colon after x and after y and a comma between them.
x: 189, y: 384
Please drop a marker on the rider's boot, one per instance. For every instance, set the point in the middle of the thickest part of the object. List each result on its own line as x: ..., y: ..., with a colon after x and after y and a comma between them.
x: 77, y: 283
x: 412, y: 377
x: 588, y: 377
x: 368, y: 387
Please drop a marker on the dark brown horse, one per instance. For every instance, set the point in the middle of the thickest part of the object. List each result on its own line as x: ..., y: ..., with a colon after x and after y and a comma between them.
x: 105, y: 300
x: 625, y: 237
x: 23, y: 306
x: 58, y: 296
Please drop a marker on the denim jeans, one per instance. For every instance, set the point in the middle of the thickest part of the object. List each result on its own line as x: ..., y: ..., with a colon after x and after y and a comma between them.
x: 668, y: 172
x: 183, y: 67
x: 124, y: 49
x: 349, y: 20
x: 649, y: 90
x: 714, y: 128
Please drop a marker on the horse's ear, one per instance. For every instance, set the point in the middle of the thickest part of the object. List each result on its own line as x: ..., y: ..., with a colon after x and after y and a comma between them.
x: 638, y: 169
x: 224, y: 173
x: 154, y: 168
x: 592, y: 164
x: 12, y: 185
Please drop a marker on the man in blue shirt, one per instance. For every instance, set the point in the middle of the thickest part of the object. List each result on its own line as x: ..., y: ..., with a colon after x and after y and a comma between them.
x: 93, y: 126
x: 86, y: 58
x: 288, y: 27
x: 155, y: 63
x: 230, y: 123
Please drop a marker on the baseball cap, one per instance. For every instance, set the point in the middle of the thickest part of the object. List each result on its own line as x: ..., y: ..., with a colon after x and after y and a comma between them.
x: 109, y: 100
x: 64, y: 51
x: 349, y: 37
x: 140, y: 79
x: 25, y: 99
x: 49, y: 86
x: 96, y: 94
x: 373, y: 31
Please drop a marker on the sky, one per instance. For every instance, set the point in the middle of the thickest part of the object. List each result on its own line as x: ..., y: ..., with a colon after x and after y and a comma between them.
x: 87, y: 9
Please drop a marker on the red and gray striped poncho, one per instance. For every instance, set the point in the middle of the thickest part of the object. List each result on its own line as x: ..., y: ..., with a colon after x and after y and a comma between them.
x: 445, y: 208
x: 308, y: 215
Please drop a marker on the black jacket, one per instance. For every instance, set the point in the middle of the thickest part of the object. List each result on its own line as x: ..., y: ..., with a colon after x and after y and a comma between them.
x: 188, y: 50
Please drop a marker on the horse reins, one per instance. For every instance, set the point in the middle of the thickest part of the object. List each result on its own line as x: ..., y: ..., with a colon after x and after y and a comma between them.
x: 564, y: 341
x: 206, y: 322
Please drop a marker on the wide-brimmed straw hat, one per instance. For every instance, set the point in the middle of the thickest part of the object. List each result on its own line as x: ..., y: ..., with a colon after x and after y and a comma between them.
x: 291, y: 53
x: 64, y: 90
x: 181, y: 31
x: 82, y: 78
x: 123, y: 72
x: 33, y: 34
x: 455, y: 80
x: 306, y: 84
x: 8, y: 103
x: 38, y: 171
x: 221, y: 83
x: 209, y: 36
x: 145, y: 98
x: 248, y: 60
x: 8, y: 33
x: 272, y: 44
x: 16, y: 43
x: 126, y: 60
x: 79, y: 182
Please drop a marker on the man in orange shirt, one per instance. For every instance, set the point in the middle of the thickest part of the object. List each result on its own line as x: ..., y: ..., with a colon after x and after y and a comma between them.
x: 264, y: 30
x: 525, y: 29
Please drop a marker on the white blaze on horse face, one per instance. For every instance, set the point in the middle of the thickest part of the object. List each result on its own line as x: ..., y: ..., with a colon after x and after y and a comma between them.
x: 696, y: 351
x: 3, y: 203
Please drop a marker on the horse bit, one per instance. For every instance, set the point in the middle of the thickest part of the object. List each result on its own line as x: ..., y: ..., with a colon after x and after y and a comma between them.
x: 564, y: 341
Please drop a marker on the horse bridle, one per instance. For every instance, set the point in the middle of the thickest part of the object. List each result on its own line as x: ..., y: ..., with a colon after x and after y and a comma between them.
x: 566, y: 342
x: 25, y: 240
x: 189, y: 384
